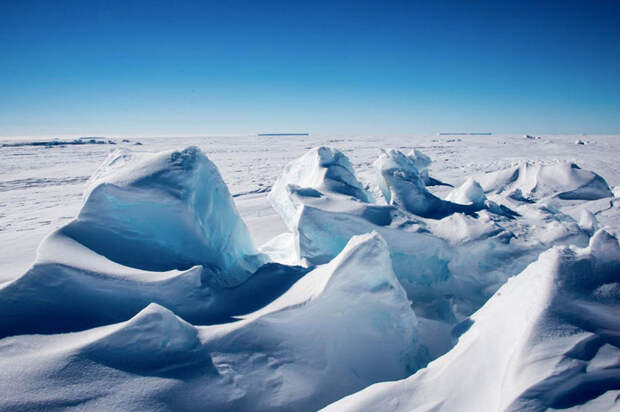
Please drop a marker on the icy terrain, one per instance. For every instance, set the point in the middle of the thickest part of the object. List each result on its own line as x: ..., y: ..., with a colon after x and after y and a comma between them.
x: 548, y: 339
x: 291, y: 273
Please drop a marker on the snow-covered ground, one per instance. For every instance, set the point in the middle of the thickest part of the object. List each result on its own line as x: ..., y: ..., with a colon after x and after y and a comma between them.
x: 309, y: 268
x: 41, y: 188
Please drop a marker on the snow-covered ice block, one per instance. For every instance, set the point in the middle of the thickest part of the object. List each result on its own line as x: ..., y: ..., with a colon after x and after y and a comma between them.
x: 548, y: 339
x: 448, y: 266
x: 588, y: 222
x: 469, y: 193
x: 166, y: 211
x: 402, y: 186
x: 343, y: 326
x: 419, y: 160
x: 460, y: 228
x: 320, y: 171
x: 156, y: 228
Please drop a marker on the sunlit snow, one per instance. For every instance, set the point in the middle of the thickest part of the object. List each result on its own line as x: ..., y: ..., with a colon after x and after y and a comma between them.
x: 261, y: 273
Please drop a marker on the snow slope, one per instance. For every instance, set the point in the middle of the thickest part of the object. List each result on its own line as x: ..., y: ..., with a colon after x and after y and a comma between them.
x: 336, y: 330
x: 449, y: 262
x: 171, y: 306
x: 161, y: 228
x: 401, y: 185
x: 167, y: 211
x: 548, y: 339
x: 40, y: 193
x: 535, y: 181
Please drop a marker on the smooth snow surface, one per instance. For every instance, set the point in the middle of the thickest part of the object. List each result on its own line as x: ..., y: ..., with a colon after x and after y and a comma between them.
x: 307, y: 271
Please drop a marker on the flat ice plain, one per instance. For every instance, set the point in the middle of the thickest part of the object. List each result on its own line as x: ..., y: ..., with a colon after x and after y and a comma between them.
x: 514, y: 306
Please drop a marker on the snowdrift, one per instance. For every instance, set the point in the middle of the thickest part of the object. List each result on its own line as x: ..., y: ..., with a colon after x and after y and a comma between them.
x: 340, y: 328
x: 449, y: 266
x: 469, y: 193
x: 159, y: 229
x: 548, y: 339
x: 401, y: 185
x: 533, y: 182
x: 168, y: 211
x: 172, y: 307
x: 321, y: 170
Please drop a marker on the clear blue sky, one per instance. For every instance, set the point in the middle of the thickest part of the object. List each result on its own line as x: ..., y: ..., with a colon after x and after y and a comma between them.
x: 195, y: 68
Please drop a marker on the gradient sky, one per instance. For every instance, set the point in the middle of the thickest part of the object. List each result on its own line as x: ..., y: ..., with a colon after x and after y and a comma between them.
x: 196, y: 68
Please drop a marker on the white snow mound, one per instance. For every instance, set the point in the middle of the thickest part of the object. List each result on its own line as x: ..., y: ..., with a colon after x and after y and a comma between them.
x: 157, y: 228
x: 340, y: 328
x: 548, y: 339
x: 534, y: 181
x: 469, y: 193
x: 166, y: 211
x: 402, y: 186
x: 321, y: 170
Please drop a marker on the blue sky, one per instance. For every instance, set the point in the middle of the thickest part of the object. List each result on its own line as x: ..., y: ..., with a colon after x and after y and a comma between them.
x: 196, y: 68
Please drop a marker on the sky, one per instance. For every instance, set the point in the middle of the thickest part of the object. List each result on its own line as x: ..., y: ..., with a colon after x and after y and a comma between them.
x: 179, y: 68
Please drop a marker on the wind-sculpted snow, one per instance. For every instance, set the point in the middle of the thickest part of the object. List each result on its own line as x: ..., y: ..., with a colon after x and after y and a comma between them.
x: 533, y: 181
x: 340, y: 328
x: 162, y: 229
x: 469, y: 193
x: 548, y: 339
x: 402, y: 186
x: 422, y: 163
x: 168, y: 211
x: 448, y: 266
x: 171, y: 307
x: 320, y: 170
x: 72, y: 288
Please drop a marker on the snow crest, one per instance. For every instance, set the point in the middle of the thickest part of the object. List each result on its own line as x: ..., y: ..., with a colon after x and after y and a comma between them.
x: 546, y: 340
x: 166, y: 211
x: 156, y: 228
x: 508, y: 278
x: 340, y: 328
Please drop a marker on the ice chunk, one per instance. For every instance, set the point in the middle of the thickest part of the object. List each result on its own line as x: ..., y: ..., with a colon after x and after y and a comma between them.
x: 166, y: 211
x: 588, y: 221
x: 402, y: 186
x: 421, y: 163
x: 419, y: 160
x: 448, y: 266
x: 460, y: 228
x: 321, y: 170
x: 544, y: 341
x: 155, y: 228
x: 469, y: 193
